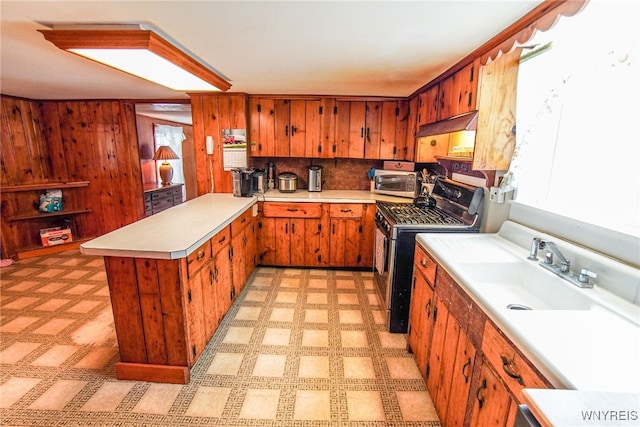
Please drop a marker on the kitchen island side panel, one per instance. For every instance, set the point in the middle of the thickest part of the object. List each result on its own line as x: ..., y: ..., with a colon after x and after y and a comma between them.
x: 125, y: 303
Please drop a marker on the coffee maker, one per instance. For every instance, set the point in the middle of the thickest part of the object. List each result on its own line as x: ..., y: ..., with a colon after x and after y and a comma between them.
x: 242, y: 182
x: 315, y: 178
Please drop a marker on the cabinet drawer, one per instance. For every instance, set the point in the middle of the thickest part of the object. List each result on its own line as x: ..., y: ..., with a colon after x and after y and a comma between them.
x: 161, y: 194
x: 161, y: 204
x: 198, y: 258
x: 514, y: 370
x: 292, y: 210
x: 177, y: 199
x: 147, y: 197
x: 426, y: 265
x: 177, y: 191
x: 240, y: 223
x: 345, y: 210
x: 220, y: 240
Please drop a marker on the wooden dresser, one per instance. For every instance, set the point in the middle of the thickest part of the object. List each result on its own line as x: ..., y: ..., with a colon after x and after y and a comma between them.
x: 158, y: 198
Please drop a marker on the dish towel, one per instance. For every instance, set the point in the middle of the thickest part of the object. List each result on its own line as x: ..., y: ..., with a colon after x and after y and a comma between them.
x: 379, y: 259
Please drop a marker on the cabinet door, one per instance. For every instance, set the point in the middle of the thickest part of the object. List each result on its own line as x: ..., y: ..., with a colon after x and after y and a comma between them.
x: 357, y: 129
x: 328, y: 114
x: 343, y: 129
x: 460, y: 381
x: 466, y: 88
x: 267, y: 231
x: 387, y: 148
x: 353, y: 240
x: 373, y: 128
x: 314, y: 251
x: 337, y: 242
x: 420, y: 320
x: 297, y: 246
x: 436, y: 352
x: 254, y: 126
x: 282, y: 242
x: 196, y: 336
x: 265, y: 134
x: 401, y: 149
x: 222, y: 278
x: 447, y: 99
x: 298, y: 127
x: 238, y: 261
x: 282, y: 127
x: 209, y: 299
x: 250, y: 249
x: 492, y: 403
x: 445, y: 372
x: 367, y: 235
x: 313, y: 143
x: 412, y: 128
x: 429, y: 111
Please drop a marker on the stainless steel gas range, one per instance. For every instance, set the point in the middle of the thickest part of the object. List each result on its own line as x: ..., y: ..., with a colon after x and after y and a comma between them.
x: 455, y: 208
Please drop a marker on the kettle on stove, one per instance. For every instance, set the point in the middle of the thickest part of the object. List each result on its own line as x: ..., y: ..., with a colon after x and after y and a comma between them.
x: 424, y: 202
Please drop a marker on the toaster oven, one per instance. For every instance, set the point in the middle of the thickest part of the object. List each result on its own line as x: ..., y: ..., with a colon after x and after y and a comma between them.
x: 396, y: 183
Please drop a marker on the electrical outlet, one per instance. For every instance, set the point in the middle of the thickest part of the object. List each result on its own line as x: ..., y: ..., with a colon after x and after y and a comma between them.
x: 495, y: 195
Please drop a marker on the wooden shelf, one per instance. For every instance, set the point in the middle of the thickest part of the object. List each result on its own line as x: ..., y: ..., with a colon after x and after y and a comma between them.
x: 44, y: 186
x: 41, y: 215
x: 46, y: 250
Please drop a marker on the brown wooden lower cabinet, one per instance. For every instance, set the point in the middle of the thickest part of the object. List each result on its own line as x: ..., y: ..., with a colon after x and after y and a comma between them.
x: 166, y: 311
x: 312, y: 234
x: 474, y: 374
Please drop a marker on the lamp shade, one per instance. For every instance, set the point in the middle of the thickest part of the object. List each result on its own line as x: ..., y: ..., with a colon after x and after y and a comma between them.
x: 164, y: 152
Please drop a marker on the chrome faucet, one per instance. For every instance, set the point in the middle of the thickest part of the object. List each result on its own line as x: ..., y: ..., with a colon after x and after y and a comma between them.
x: 565, y: 264
x: 539, y: 243
x: 564, y: 269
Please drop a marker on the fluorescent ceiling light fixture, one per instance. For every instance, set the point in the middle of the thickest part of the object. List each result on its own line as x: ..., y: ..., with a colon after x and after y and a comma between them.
x: 141, y: 53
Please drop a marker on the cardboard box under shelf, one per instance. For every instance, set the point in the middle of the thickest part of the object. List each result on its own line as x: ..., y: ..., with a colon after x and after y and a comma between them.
x: 55, y: 236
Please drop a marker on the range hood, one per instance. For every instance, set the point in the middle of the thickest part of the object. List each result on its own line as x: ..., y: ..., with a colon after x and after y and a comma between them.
x: 466, y: 121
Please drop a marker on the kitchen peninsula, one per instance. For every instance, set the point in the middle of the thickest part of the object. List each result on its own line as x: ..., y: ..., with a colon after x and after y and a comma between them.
x: 170, y: 282
x: 173, y: 276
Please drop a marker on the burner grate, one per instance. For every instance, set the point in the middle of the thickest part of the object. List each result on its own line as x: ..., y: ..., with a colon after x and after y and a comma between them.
x: 411, y: 214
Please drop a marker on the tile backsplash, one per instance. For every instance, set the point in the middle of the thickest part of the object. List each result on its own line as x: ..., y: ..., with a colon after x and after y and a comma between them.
x: 337, y: 174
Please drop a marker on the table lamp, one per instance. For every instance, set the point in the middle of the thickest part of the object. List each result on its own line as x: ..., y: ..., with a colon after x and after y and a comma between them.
x: 164, y: 152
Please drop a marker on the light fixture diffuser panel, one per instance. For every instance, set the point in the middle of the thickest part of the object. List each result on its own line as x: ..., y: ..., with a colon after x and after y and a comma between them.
x: 149, y: 66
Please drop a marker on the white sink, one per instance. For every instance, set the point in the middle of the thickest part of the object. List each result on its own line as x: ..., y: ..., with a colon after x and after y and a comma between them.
x: 524, y: 285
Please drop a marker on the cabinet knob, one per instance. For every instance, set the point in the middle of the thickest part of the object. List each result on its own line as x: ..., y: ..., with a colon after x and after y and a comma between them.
x: 423, y: 262
x: 200, y: 255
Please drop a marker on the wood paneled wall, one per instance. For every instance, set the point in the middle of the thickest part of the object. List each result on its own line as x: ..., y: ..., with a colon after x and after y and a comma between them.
x: 211, y: 114
x: 62, y: 141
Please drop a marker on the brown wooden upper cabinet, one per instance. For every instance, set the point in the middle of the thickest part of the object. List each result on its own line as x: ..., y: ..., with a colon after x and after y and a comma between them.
x: 455, y: 95
x: 278, y: 127
x: 328, y: 128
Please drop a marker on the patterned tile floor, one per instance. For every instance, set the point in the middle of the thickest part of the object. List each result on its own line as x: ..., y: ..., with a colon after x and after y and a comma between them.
x: 298, y: 348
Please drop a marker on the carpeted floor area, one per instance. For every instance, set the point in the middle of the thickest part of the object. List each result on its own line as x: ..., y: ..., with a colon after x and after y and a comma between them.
x: 299, y: 347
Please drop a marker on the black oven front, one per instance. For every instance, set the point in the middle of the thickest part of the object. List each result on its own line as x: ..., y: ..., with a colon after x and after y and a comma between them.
x: 393, y: 269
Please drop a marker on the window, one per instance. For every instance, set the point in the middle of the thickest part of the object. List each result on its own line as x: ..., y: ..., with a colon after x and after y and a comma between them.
x: 173, y: 137
x: 578, y: 145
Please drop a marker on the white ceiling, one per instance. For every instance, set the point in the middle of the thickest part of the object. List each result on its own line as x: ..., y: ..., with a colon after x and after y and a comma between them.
x: 381, y: 48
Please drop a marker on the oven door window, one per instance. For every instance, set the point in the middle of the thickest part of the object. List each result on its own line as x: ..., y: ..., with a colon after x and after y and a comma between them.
x: 391, y: 182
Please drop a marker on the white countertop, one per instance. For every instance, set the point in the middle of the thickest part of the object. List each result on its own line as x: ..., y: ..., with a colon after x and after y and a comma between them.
x: 180, y: 230
x: 583, y: 408
x: 584, y: 339
x: 173, y: 233
x: 331, y: 196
